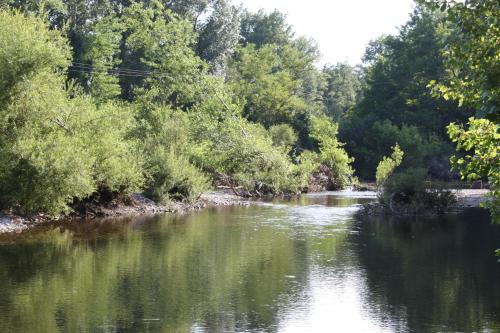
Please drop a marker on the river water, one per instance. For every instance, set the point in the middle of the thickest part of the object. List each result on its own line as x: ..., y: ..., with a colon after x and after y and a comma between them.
x: 306, y: 265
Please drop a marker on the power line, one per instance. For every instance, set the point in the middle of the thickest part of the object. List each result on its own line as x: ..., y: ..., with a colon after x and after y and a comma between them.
x: 105, y: 72
x: 77, y: 67
x: 111, y: 67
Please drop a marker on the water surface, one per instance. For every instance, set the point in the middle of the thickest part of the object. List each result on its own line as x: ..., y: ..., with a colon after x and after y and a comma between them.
x: 306, y: 265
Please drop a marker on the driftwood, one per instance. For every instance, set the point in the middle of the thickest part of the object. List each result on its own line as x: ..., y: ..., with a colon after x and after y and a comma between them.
x: 321, y: 180
x: 260, y: 189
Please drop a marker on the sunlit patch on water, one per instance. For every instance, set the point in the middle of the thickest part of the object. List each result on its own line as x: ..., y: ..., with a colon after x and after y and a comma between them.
x: 315, y: 215
x: 321, y: 215
x: 335, y: 299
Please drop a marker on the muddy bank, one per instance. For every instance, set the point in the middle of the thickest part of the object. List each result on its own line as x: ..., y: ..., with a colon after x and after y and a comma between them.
x: 464, y: 199
x: 135, y: 205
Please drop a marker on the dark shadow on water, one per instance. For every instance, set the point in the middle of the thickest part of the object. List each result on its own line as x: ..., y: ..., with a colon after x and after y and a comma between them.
x: 439, y: 273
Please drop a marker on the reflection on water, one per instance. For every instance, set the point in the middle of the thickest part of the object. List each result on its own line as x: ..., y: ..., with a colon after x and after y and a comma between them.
x: 305, y: 265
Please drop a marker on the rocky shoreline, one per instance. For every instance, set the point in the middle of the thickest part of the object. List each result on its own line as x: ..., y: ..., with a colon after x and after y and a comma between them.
x: 137, y: 205
x: 465, y: 199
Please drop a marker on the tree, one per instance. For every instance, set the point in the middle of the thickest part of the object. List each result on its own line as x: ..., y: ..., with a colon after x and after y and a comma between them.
x: 188, y: 9
x: 343, y: 90
x: 53, y: 11
x: 164, y: 44
x: 261, y: 28
x: 56, y: 146
x: 397, y: 101
x: 279, y: 84
x: 219, y: 36
x: 101, y: 56
x: 481, y: 142
x: 267, y: 87
x: 473, y: 58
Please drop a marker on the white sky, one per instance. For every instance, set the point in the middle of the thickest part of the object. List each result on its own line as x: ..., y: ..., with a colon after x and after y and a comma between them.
x: 342, y: 28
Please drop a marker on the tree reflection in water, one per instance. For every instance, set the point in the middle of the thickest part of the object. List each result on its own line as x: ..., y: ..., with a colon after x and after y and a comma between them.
x: 292, y: 266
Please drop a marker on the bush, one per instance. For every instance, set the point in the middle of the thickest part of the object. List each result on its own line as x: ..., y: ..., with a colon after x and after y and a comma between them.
x: 331, y: 151
x: 409, y: 189
x: 283, y: 136
x: 166, y: 138
x: 55, y: 144
x: 118, y: 161
x: 402, y: 187
x: 63, y: 149
x: 173, y: 177
x: 387, y: 166
x: 245, y: 152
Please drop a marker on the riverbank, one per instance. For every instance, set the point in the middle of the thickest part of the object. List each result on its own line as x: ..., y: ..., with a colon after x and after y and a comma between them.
x: 464, y: 199
x: 138, y: 205
x: 135, y: 205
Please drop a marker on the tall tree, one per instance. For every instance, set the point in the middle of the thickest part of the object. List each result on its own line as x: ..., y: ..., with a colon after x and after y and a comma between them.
x: 165, y: 44
x: 188, y: 9
x: 261, y: 28
x: 396, y: 98
x: 269, y: 91
x: 343, y: 89
x: 219, y: 35
x: 473, y: 59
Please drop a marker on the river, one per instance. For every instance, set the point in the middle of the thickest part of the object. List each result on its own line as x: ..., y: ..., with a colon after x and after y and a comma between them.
x: 305, y: 265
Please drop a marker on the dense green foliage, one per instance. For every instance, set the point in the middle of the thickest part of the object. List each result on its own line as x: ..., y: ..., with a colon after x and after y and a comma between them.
x: 474, y: 59
x: 343, y: 91
x: 409, y: 192
x: 473, y: 55
x: 167, y: 97
x: 122, y: 96
x: 56, y: 145
x: 331, y: 152
x: 482, y: 137
x: 388, y: 165
x: 396, y: 104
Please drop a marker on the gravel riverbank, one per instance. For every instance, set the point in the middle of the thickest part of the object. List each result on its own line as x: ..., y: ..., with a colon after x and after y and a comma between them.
x: 137, y: 205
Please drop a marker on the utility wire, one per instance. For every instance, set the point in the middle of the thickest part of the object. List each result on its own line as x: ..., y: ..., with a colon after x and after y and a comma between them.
x: 106, y: 72
x: 111, y: 67
x: 114, y: 71
x: 110, y: 70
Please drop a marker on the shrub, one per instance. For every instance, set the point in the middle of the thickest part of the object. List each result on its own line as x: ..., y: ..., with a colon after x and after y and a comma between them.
x: 118, y: 161
x: 244, y: 151
x: 283, y: 136
x: 62, y: 149
x: 165, y: 134
x: 331, y: 151
x: 173, y: 177
x: 55, y: 144
x: 409, y: 189
x: 387, y: 166
x: 403, y: 186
